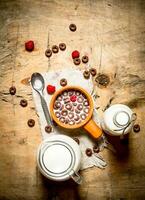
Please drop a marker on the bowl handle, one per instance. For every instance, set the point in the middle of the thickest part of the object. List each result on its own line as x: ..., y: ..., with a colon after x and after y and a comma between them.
x: 93, y: 128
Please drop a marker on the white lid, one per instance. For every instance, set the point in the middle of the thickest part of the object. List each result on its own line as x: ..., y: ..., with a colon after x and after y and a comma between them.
x: 121, y: 118
x: 57, y: 158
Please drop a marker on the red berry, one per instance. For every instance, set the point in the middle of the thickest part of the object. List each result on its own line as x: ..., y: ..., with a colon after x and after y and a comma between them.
x: 73, y: 98
x: 75, y: 54
x: 50, y: 89
x: 29, y: 46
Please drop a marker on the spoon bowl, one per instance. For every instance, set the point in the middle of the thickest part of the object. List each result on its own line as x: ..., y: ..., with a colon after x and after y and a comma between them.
x: 37, y: 82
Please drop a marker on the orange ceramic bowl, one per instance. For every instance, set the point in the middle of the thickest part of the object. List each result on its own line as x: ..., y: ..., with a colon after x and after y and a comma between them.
x: 88, y: 124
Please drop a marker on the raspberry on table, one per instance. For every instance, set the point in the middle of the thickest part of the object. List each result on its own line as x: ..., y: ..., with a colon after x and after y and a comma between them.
x: 29, y: 45
x: 51, y: 89
x: 75, y: 54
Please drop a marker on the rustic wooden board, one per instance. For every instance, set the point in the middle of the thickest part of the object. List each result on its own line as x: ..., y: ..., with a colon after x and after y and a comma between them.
x: 112, y: 33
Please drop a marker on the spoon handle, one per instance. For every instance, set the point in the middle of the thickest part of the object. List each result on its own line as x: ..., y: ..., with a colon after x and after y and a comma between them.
x: 46, y: 111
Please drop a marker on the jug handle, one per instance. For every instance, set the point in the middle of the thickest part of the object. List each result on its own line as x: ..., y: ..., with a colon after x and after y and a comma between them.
x: 93, y: 128
x: 76, y: 177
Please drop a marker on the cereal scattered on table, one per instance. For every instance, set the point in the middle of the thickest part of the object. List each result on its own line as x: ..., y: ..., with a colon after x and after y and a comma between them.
x: 85, y: 59
x: 12, y: 90
x: 89, y: 152
x: 48, y: 129
x: 62, y: 46
x: 86, y: 74
x: 23, y: 102
x: 63, y: 82
x: 31, y: 122
x: 76, y: 61
x: 72, y: 27
x: 48, y: 53
x: 55, y: 49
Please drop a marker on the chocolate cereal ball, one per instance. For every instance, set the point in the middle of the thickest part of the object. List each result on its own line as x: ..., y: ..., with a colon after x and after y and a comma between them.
x: 72, y: 27
x: 55, y: 49
x: 86, y: 74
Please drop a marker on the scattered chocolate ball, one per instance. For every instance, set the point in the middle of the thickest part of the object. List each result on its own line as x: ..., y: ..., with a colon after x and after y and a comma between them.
x: 71, y: 115
x: 80, y: 99
x: 57, y: 114
x: 136, y: 128
x: 80, y: 107
x: 31, y: 122
x: 29, y: 46
x: 96, y: 149
x: 62, y: 119
x: 86, y: 74
x: 78, y: 122
x: 73, y: 27
x: 63, y: 82
x: 83, y: 116
x: 85, y: 59
x: 66, y: 100
x: 76, y: 118
x: 76, y: 61
x: 74, y: 104
x: 65, y: 93
x: 72, y: 122
x: 93, y: 71
x: 86, y: 110
x: 62, y: 46
x: 77, y: 140
x: 71, y: 92
x: 77, y: 93
x: 102, y: 79
x: 89, y: 152
x: 57, y: 105
x: 23, y: 102
x: 59, y: 98
x: 48, y: 53
x: 48, y: 128
x: 86, y: 103
x: 68, y: 106
x: 55, y: 49
x: 77, y: 111
x: 64, y: 112
x: 66, y: 121
x: 12, y: 90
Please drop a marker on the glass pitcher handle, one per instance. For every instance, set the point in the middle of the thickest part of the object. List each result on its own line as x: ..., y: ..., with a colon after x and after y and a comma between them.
x: 76, y: 177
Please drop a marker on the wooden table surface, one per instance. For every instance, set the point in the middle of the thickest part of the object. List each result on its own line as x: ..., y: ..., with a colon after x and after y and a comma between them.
x: 112, y: 34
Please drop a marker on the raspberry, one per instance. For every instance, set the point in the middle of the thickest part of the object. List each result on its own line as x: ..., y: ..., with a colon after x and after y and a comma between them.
x: 73, y: 98
x: 29, y: 46
x: 50, y: 89
x: 75, y: 54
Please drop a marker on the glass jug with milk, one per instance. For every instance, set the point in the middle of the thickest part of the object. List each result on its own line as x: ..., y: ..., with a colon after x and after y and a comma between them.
x: 118, y: 120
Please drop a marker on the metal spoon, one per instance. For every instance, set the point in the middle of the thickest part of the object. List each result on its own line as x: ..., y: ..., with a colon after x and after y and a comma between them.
x: 38, y: 84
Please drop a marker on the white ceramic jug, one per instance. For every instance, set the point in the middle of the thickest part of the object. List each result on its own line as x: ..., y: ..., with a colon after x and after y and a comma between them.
x: 59, y: 158
x: 118, y: 120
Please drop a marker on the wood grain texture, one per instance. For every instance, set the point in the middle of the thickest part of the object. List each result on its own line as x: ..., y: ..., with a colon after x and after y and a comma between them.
x: 112, y: 33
